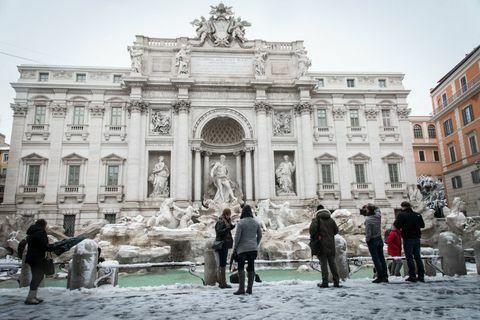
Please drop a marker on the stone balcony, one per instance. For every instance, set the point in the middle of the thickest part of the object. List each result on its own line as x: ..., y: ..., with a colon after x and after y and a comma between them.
x: 115, y: 130
x: 66, y: 191
x: 356, y: 133
x: 323, y: 133
x: 76, y: 130
x: 392, y: 188
x: 328, y: 190
x: 365, y: 188
x: 37, y: 130
x: 37, y: 193
x: 114, y: 191
x: 389, y: 132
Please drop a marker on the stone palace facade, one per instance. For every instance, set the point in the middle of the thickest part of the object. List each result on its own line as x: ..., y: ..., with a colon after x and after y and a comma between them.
x: 91, y: 143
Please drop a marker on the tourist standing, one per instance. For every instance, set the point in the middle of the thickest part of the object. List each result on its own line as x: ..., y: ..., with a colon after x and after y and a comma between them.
x: 410, y: 222
x: 37, y: 242
x: 247, y: 239
x: 323, y: 228
x: 223, y: 229
x: 373, y: 237
x: 394, y: 249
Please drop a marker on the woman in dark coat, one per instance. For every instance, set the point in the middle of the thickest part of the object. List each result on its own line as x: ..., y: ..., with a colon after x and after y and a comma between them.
x: 223, y: 229
x: 37, y: 242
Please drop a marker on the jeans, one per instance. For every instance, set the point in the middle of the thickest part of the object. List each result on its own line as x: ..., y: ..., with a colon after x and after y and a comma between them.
x: 221, y: 256
x: 396, y: 266
x: 330, y: 260
x: 250, y: 257
x: 375, y: 246
x: 37, y: 275
x: 412, y: 251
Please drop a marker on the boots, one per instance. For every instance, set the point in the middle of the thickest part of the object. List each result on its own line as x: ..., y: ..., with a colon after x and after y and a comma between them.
x: 251, y: 278
x: 31, y: 297
x: 241, y: 283
x: 222, y: 281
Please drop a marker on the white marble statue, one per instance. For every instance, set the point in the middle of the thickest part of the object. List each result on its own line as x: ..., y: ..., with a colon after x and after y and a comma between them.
x: 136, y: 56
x: 451, y: 250
x: 304, y: 62
x: 182, y: 61
x: 221, y: 180
x: 165, y: 216
x: 284, y: 214
x: 282, y: 123
x: 185, y: 216
x: 263, y: 214
x: 161, y: 123
x: 159, y: 178
x: 284, y: 173
x: 237, y: 29
x: 259, y: 61
x: 203, y: 28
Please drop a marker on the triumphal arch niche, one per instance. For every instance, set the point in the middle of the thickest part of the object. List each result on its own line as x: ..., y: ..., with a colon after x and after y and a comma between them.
x: 240, y: 112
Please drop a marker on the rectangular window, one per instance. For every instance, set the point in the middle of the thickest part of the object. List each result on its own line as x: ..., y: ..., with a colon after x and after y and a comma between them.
x: 435, y: 156
x: 457, y: 182
x: 5, y: 157
x: 4, y: 171
x: 33, y: 175
x: 453, y: 156
x: 320, y: 83
x: 112, y: 175
x: 350, y: 83
x: 116, y: 116
x: 386, y: 118
x: 463, y: 84
x: 421, y: 155
x: 360, y: 173
x: 382, y: 83
x: 444, y: 100
x: 81, y: 77
x: 467, y: 115
x: 322, y: 118
x: 40, y: 114
x: 111, y: 217
x: 472, y: 141
x: 447, y: 127
x: 69, y: 224
x: 73, y: 175
x: 117, y: 78
x: 78, y: 115
x: 393, y: 172
x: 354, y: 120
x: 327, y: 173
x: 476, y: 176
x: 43, y: 77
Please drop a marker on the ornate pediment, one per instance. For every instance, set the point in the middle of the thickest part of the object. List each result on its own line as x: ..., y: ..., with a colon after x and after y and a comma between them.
x: 222, y: 28
x: 34, y: 157
x: 392, y: 156
x: 113, y: 158
x: 359, y: 157
x: 73, y: 157
x: 326, y: 157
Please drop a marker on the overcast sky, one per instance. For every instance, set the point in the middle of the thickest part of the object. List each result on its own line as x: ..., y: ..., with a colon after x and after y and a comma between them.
x: 423, y: 39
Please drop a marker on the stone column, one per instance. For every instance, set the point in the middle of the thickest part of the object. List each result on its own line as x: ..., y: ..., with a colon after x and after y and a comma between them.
x: 182, y: 152
x: 407, y: 148
x: 14, y: 156
x: 93, y: 180
x: 371, y: 114
x: 262, y: 172
x: 206, y: 170
x: 248, y: 175
x: 305, y: 109
x: 238, y: 157
x: 135, y: 108
x: 198, y: 175
x: 57, y: 124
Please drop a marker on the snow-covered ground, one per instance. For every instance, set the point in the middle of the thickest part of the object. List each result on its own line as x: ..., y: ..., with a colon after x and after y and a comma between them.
x: 438, y: 298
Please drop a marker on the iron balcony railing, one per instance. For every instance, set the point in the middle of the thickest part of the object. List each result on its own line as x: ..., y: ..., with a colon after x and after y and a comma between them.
x: 465, y: 89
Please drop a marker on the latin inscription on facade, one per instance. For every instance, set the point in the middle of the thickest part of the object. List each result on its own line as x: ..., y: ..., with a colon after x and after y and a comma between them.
x: 222, y: 66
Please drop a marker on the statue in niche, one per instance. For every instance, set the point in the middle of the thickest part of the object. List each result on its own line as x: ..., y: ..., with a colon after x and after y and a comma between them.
x: 221, y: 180
x: 182, y: 61
x: 136, y: 56
x: 161, y: 123
x: 282, y: 123
x: 284, y: 173
x: 304, y: 62
x: 259, y: 61
x: 159, y: 178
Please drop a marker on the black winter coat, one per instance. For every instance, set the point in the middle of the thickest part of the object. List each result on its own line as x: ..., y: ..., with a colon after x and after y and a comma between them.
x: 326, y: 227
x: 37, y: 242
x: 410, y: 223
x: 224, y: 233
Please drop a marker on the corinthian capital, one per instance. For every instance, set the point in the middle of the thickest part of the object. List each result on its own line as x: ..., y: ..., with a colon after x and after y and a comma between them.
x: 339, y: 112
x: 181, y: 106
x: 58, y: 110
x: 262, y: 106
x: 19, y: 110
x: 303, y: 107
x: 403, y: 113
x: 371, y: 113
x: 137, y: 106
x: 97, y: 110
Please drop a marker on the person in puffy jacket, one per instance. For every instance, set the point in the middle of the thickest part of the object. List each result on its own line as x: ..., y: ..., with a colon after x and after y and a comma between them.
x: 394, y: 249
x: 223, y: 231
x: 324, y: 229
x: 247, y: 239
x: 373, y: 238
x: 37, y: 246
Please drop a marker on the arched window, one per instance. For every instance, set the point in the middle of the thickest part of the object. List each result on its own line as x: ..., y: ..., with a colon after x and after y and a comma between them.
x: 431, y: 131
x: 417, y: 131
